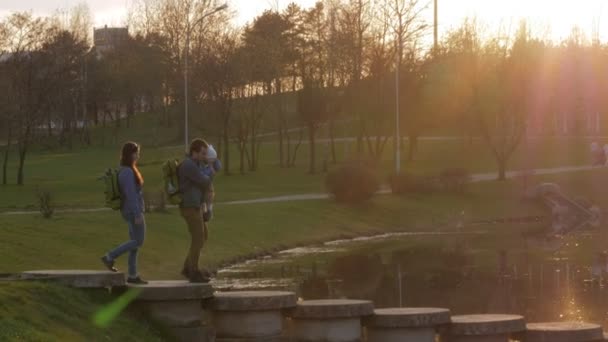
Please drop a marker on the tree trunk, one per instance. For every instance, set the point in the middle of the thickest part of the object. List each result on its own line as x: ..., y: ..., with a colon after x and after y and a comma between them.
x: 280, y: 131
x: 49, y: 124
x: 6, y: 154
x: 252, y: 155
x: 292, y: 162
x: 502, y: 168
x: 242, y: 158
x: 311, y: 140
x: 22, y: 152
x: 412, y: 147
x: 332, y: 141
x: 281, y: 121
x: 226, y: 150
x: 130, y: 111
x: 288, y: 138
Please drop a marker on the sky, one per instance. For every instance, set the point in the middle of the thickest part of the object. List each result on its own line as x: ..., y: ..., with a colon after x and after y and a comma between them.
x: 559, y: 15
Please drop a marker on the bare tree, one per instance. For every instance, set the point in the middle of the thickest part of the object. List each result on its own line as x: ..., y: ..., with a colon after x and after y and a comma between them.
x: 356, y: 17
x: 218, y: 74
x: 507, y: 83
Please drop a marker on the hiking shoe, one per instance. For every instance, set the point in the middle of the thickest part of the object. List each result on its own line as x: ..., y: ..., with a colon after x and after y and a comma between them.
x: 185, y: 273
x: 109, y: 263
x: 198, y: 277
x: 205, y: 273
x: 136, y: 281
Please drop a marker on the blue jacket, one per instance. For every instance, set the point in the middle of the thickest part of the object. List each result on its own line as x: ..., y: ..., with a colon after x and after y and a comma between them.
x: 131, y: 193
x: 192, y: 183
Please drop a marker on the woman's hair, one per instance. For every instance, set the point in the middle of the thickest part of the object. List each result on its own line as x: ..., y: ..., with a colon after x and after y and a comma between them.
x: 127, y: 160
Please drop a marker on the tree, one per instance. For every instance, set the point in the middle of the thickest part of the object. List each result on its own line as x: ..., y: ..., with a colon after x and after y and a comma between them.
x: 460, y: 52
x: 356, y: 17
x: 170, y: 21
x: 505, y: 93
x: 29, y: 75
x: 269, y: 53
x: 64, y: 55
x: 218, y: 72
x: 6, y: 104
x: 312, y: 106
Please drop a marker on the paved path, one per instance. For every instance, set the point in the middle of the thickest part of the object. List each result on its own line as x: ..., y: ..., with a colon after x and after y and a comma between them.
x: 479, y: 177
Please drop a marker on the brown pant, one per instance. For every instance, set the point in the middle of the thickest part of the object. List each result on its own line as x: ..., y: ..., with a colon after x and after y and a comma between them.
x: 198, y: 235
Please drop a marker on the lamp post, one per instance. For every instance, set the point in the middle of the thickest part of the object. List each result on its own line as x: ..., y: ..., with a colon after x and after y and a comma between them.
x: 188, y: 31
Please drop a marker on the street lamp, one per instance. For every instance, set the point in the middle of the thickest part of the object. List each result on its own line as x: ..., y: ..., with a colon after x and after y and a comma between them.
x: 188, y: 31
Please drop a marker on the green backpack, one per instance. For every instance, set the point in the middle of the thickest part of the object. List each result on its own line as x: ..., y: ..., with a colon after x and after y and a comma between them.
x: 171, y: 180
x: 112, y: 190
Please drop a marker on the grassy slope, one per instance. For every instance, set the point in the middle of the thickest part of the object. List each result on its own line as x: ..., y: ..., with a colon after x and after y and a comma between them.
x: 71, y: 176
x: 77, y: 240
x: 34, y: 311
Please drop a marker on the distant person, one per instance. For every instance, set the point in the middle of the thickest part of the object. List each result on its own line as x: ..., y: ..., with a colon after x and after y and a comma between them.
x: 193, y: 186
x: 209, y: 168
x: 130, y: 183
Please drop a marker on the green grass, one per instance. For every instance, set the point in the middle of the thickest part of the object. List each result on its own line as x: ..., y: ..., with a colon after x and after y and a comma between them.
x: 71, y: 177
x: 78, y: 240
x: 35, y: 311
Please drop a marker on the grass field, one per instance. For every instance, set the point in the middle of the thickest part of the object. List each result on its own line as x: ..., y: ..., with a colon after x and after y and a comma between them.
x: 71, y: 177
x: 39, y: 312
x: 78, y: 240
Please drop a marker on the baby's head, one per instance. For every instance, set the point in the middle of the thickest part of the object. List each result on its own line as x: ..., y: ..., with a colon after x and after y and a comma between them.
x: 211, y: 154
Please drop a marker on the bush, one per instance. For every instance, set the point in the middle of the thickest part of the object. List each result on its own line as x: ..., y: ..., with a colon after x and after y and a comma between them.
x: 352, y: 183
x: 45, y: 203
x: 455, y: 179
x: 404, y: 183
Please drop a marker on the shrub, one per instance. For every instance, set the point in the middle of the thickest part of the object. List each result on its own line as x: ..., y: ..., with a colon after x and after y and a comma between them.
x: 45, y: 203
x: 404, y: 183
x: 352, y: 183
x: 455, y: 179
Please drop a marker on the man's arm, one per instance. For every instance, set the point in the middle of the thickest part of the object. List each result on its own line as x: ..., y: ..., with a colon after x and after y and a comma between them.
x: 192, y: 172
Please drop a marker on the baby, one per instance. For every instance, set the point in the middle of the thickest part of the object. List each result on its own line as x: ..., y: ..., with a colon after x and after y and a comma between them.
x: 209, y: 168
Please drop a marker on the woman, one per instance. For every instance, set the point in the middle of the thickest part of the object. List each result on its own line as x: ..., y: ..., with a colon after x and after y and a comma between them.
x: 130, y: 182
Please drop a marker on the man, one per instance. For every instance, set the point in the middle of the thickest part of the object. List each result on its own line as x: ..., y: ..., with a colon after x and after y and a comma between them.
x: 193, y: 185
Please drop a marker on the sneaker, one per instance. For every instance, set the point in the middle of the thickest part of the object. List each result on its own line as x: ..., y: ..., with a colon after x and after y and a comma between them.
x: 198, y: 277
x: 136, y: 281
x: 109, y: 263
x: 185, y: 273
x: 205, y: 273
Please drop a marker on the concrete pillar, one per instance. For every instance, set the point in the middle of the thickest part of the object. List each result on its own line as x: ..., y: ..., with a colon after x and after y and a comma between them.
x: 563, y: 332
x: 405, y: 324
x: 329, y: 320
x: 484, y: 328
x: 178, y: 305
x: 250, y: 315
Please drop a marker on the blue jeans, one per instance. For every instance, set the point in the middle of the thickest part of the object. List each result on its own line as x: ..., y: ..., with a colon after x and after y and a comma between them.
x: 137, y: 233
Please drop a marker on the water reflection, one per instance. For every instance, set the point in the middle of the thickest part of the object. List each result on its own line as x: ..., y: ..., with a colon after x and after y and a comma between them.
x: 554, y: 289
